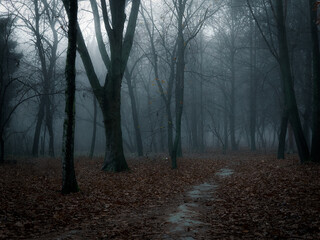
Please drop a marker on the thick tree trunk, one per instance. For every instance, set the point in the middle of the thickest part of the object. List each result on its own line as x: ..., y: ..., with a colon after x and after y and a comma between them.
x: 108, y: 95
x: 35, y: 146
x: 94, y: 130
x: 315, y: 147
x: 69, y: 182
x: 114, y: 160
x: 282, y: 136
x: 289, y: 94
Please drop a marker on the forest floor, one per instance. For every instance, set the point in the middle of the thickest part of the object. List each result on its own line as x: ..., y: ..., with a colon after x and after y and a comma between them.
x: 264, y: 198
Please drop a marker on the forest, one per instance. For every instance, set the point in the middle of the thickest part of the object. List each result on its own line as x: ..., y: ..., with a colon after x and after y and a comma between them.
x: 159, y: 119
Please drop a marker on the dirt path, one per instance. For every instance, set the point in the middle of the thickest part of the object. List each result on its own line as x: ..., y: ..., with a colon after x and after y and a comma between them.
x: 181, y: 220
x: 184, y: 222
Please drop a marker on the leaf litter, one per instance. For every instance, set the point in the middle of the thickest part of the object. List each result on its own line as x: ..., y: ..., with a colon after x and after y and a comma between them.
x: 264, y: 198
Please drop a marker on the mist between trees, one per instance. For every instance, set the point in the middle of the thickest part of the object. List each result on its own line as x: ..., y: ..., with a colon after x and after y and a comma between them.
x: 161, y: 77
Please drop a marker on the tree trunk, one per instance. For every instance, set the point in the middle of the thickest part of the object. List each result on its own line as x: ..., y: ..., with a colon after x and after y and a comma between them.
x: 225, y: 126
x: 290, y: 140
x: 114, y: 160
x: 162, y: 144
x: 135, y: 116
x: 307, y: 98
x: 315, y: 147
x: 170, y: 128
x: 69, y: 182
x: 289, y: 94
x: 49, y: 120
x: 201, y: 127
x: 47, y: 69
x: 253, y: 90
x: 35, y: 146
x: 282, y: 136
x: 43, y: 141
x: 194, y: 118
x: 232, y: 106
x: 179, y: 91
x: 94, y: 131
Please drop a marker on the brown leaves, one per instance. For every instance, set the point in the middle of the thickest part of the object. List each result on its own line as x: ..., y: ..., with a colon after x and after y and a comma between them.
x: 108, y: 204
x: 264, y: 199
x: 269, y: 199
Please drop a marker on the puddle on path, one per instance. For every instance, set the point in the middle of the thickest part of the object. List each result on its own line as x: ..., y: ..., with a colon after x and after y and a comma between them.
x: 184, y: 223
x: 224, y: 172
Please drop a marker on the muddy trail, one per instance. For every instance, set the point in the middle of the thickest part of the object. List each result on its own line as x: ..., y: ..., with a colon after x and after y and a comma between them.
x: 184, y: 222
x: 180, y: 219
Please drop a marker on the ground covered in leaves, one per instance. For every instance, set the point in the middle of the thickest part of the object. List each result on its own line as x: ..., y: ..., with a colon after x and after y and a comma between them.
x: 265, y: 198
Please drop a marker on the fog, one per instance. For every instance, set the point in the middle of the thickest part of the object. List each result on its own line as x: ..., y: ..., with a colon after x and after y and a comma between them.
x: 232, y: 93
x: 160, y: 119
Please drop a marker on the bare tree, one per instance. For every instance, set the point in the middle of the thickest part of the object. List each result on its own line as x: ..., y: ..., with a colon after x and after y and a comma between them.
x: 135, y: 116
x: 187, y: 30
x: 290, y: 112
x: 69, y: 182
x: 166, y: 94
x: 42, y: 27
x: 108, y: 94
x: 9, y: 61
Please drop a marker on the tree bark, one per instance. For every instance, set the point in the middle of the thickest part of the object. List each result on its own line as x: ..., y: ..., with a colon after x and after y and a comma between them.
x: 315, y: 147
x: 179, y: 91
x: 114, y: 160
x: 69, y: 182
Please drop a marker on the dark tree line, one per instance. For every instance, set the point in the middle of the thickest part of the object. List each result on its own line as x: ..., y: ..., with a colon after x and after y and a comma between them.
x: 9, y: 84
x: 185, y: 75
